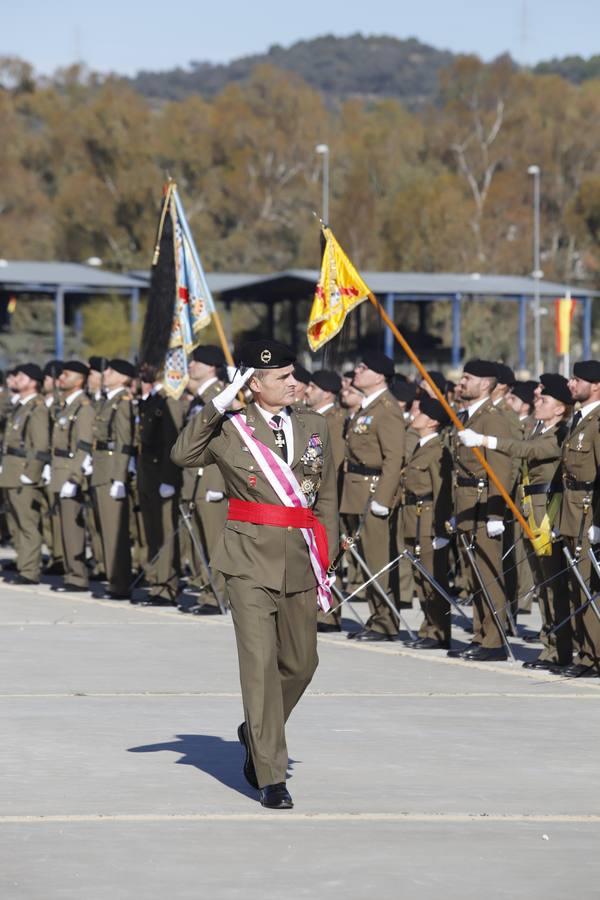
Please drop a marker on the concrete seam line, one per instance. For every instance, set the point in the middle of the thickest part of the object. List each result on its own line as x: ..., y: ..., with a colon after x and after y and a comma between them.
x: 394, y: 695
x: 441, y: 818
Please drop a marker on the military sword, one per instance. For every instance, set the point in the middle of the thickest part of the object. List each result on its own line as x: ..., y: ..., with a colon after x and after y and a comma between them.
x: 475, y: 566
x: 435, y: 584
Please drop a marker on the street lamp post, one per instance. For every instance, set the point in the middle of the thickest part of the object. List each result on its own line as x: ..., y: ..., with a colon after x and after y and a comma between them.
x: 323, y: 150
x: 537, y: 272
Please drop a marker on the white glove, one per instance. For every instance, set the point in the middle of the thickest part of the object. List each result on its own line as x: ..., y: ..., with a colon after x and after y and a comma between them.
x: 68, y: 490
x: 166, y: 491
x: 331, y: 580
x: 438, y: 543
x: 214, y: 496
x: 131, y: 466
x: 470, y: 438
x: 228, y: 395
x: 231, y: 370
x: 86, y: 466
x: 25, y: 480
x: 378, y: 509
x: 46, y: 474
x: 593, y: 534
x: 117, y: 490
x: 494, y: 528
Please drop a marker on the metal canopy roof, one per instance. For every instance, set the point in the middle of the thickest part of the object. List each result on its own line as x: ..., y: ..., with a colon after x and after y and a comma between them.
x: 26, y: 275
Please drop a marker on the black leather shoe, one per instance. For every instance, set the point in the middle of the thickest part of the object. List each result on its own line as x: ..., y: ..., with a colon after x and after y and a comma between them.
x: 276, y: 796
x: 540, y: 664
x: 56, y: 568
x: 326, y: 627
x: 486, y: 654
x: 576, y: 670
x: 249, y: 771
x: 531, y: 638
x: 458, y: 654
x: 20, y: 579
x: 426, y: 644
x: 369, y: 635
x: 9, y: 566
x: 157, y: 601
x: 111, y: 595
x: 71, y: 588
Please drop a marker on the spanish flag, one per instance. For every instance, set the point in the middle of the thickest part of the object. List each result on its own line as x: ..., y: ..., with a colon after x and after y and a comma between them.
x: 339, y: 290
x: 564, y: 309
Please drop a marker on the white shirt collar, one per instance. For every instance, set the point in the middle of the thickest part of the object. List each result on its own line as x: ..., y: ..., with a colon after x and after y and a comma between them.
x: 206, y: 385
x: 156, y: 388
x: 267, y: 416
x: 323, y: 409
x: 366, y: 401
x: 114, y: 392
x: 585, y: 410
x: 73, y: 396
x: 475, y: 406
x: 27, y: 399
x: 15, y: 399
x: 49, y: 400
x: 427, y: 438
x: 286, y: 427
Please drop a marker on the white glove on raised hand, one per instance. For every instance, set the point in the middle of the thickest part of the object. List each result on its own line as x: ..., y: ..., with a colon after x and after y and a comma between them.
x: 24, y: 479
x: 378, y: 509
x: 214, y: 496
x: 593, y: 534
x: 166, y: 490
x: 228, y: 395
x: 438, y: 543
x: 86, y: 466
x: 470, y: 438
x: 117, y: 490
x: 494, y: 528
x: 68, y: 490
x: 46, y: 474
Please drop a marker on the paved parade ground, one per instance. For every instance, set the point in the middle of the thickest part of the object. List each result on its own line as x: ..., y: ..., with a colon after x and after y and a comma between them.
x: 413, y: 775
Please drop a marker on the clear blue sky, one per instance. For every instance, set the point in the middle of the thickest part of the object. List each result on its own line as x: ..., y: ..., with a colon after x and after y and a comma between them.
x: 127, y: 35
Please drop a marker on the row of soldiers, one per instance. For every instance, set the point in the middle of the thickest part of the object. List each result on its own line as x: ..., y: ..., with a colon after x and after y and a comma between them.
x: 86, y: 467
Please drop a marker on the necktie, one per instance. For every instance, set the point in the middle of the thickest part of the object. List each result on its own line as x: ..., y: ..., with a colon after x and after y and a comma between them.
x: 463, y: 415
x: 576, y: 421
x: 276, y: 423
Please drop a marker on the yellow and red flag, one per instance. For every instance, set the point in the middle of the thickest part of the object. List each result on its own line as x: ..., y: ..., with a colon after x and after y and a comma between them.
x: 340, y: 289
x: 564, y: 309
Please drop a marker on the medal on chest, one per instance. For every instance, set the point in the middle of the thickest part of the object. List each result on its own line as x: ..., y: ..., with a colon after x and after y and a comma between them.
x: 362, y: 425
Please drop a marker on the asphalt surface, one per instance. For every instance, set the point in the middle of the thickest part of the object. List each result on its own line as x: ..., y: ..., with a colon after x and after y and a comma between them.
x: 413, y: 775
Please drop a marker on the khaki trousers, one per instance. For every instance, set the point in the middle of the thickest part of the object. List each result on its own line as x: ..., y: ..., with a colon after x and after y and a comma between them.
x: 72, y: 523
x: 586, y: 626
x: 276, y: 635
x: 436, y: 611
x: 159, y: 518
x: 25, y: 505
x: 554, y: 605
x: 374, y: 546
x: 114, y: 529
x: 208, y: 522
x: 488, y: 556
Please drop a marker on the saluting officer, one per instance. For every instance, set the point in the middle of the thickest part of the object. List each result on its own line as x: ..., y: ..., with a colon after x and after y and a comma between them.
x: 374, y: 455
x: 72, y: 437
x: 280, y: 478
x: 113, y: 448
x: 25, y: 452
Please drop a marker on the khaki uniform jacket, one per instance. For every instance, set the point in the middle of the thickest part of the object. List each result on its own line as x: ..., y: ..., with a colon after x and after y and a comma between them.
x: 375, y: 439
x: 274, y: 557
x: 487, y: 419
x: 336, y: 418
x: 428, y: 471
x: 27, y: 435
x: 72, y: 435
x: 580, y: 462
x: 113, y: 425
x: 542, y: 454
x: 159, y: 421
x: 211, y: 478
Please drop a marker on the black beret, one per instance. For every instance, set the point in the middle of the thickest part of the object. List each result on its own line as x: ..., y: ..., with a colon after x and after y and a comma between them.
x: 438, y: 379
x: 587, y: 370
x: 123, y: 367
x: 302, y: 375
x: 73, y: 365
x: 31, y: 370
x: 524, y: 391
x: 481, y: 368
x: 98, y: 363
x: 53, y: 368
x: 434, y: 409
x: 405, y: 391
x: 209, y: 354
x: 555, y: 385
x: 378, y: 362
x: 349, y: 373
x: 504, y: 374
x: 327, y: 380
x: 265, y: 354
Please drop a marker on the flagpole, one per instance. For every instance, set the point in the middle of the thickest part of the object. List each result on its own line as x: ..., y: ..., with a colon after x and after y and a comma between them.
x: 456, y: 421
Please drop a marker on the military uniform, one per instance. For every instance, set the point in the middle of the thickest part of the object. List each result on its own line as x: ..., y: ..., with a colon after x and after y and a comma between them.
x: 427, y: 507
x: 270, y: 583
x: 159, y: 425
x: 374, y: 455
x: 25, y: 452
x: 476, y: 501
x: 113, y: 448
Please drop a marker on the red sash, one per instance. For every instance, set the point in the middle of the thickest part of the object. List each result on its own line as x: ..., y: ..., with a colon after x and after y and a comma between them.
x: 282, y: 517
